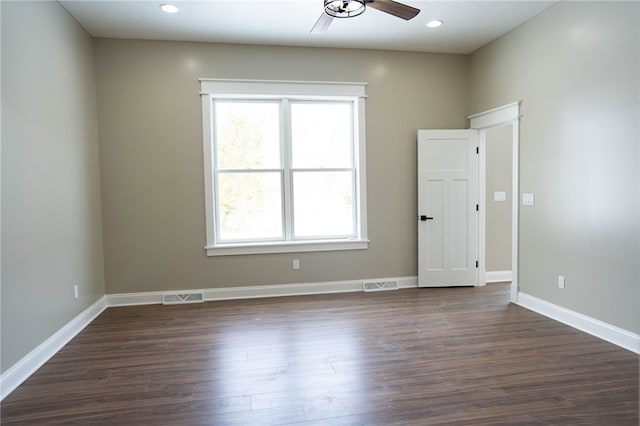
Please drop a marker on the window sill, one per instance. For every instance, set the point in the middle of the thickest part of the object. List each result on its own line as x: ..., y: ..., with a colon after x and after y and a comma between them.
x: 286, y: 247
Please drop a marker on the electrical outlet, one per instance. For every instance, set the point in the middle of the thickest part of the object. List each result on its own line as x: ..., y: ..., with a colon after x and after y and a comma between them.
x: 75, y: 291
x: 296, y: 264
x: 561, y: 282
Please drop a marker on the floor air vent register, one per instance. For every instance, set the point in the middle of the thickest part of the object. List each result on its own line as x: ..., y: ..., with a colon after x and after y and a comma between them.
x: 380, y: 286
x: 181, y: 298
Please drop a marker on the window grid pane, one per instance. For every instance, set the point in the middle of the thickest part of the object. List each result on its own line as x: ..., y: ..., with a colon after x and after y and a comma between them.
x: 323, y: 204
x: 249, y: 206
x: 322, y: 134
x: 247, y: 134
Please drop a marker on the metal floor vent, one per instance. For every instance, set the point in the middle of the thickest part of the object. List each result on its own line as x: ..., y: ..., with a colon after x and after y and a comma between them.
x: 380, y: 286
x: 179, y: 298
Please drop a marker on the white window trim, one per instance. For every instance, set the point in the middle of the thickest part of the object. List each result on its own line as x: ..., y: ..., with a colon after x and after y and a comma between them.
x: 219, y: 88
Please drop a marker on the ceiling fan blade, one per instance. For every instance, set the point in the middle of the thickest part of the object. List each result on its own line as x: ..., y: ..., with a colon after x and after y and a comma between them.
x: 394, y: 8
x: 321, y: 24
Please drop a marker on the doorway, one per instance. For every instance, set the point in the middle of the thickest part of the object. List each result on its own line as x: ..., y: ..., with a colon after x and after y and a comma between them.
x: 435, y: 261
x: 492, y: 123
x: 497, y: 203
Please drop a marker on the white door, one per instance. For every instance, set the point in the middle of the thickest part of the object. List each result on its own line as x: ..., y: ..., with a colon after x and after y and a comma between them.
x: 447, y: 208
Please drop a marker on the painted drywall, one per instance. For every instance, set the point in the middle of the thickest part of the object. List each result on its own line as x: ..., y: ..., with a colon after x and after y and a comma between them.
x: 498, y: 213
x: 152, y: 164
x: 51, y: 213
x: 576, y: 69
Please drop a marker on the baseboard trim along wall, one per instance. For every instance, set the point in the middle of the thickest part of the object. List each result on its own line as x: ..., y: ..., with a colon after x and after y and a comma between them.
x: 497, y: 276
x: 20, y: 371
x: 597, y: 328
x: 253, y: 292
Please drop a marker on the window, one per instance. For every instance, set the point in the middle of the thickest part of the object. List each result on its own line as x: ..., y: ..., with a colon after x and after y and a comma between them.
x: 284, y: 166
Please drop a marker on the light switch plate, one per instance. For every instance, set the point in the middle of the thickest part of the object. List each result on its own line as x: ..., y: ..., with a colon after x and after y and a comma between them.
x: 499, y: 196
x: 528, y: 199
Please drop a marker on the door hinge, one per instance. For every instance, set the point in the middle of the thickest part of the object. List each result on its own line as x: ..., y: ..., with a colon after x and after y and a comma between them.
x: 476, y: 263
x: 477, y: 207
x: 477, y: 150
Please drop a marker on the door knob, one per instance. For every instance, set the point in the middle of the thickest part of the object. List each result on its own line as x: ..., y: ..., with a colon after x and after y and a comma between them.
x: 423, y: 218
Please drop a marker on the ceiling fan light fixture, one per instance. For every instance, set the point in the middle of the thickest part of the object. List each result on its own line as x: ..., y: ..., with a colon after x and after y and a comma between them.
x: 435, y: 23
x: 344, y: 8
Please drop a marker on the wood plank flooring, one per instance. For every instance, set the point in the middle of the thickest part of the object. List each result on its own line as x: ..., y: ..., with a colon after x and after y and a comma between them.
x: 461, y: 356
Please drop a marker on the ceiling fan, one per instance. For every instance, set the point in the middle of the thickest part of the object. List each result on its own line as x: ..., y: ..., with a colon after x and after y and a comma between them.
x: 351, y: 8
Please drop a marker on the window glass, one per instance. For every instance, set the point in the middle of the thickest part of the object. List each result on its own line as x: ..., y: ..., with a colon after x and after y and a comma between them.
x: 249, y: 206
x: 247, y: 134
x: 323, y: 204
x: 322, y: 134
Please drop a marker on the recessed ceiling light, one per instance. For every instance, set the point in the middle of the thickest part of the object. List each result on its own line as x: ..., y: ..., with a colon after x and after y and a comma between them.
x: 169, y: 8
x: 434, y: 24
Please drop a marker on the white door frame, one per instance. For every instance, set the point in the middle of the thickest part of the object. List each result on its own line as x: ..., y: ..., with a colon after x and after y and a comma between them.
x: 500, y: 116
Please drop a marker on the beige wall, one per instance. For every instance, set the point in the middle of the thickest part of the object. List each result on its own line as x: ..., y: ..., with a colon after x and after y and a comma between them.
x: 575, y: 67
x: 498, y: 213
x: 152, y: 166
x: 51, y: 219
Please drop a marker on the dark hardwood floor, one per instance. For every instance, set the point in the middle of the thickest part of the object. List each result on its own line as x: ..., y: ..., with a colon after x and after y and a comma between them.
x: 461, y: 356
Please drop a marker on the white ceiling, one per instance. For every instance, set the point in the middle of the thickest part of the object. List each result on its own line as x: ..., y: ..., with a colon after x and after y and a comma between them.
x: 468, y: 25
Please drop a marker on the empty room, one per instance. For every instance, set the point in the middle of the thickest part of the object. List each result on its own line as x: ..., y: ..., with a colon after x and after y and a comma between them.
x: 319, y: 212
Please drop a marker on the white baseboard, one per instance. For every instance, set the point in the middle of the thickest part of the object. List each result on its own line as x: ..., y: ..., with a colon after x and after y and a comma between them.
x: 253, y: 292
x: 597, y: 328
x: 497, y: 276
x: 407, y: 282
x: 134, y: 299
x: 278, y: 290
x: 25, y: 367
